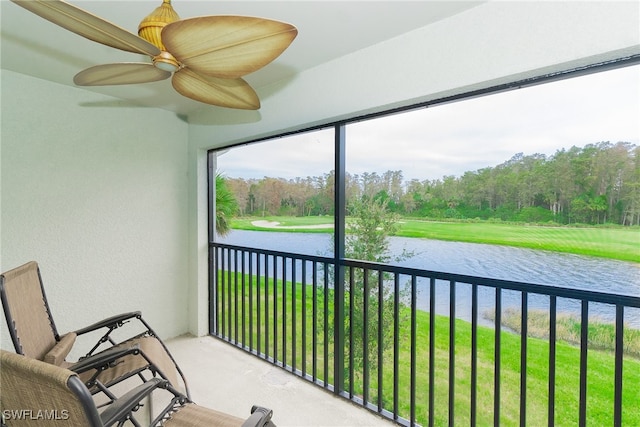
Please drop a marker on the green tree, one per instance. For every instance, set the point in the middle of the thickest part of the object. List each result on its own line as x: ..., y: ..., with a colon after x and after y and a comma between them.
x: 370, y: 225
x: 595, y: 184
x: 226, y: 206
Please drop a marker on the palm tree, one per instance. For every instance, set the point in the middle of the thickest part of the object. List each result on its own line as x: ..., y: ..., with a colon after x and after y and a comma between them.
x: 226, y: 206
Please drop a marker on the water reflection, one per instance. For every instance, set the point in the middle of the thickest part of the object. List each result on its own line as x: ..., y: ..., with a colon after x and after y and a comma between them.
x: 498, y: 262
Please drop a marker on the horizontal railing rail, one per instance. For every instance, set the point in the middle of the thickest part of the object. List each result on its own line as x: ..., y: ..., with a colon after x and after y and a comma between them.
x: 433, y: 348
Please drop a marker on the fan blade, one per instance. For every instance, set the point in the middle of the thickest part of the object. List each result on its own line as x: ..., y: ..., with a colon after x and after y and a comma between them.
x: 230, y: 93
x: 227, y: 46
x: 88, y: 25
x: 120, y: 74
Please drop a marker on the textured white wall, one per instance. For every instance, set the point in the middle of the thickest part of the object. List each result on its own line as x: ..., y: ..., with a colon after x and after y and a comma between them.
x: 96, y: 191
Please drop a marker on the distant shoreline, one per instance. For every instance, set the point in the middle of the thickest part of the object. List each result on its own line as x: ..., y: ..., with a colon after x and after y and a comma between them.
x: 618, y: 243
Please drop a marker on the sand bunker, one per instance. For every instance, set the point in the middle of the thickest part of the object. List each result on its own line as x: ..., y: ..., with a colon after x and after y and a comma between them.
x: 276, y: 224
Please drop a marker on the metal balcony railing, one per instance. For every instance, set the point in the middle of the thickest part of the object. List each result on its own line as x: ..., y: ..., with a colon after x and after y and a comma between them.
x: 430, y: 348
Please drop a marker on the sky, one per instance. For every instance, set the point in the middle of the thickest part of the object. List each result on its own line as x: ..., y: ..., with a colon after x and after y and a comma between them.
x: 463, y: 136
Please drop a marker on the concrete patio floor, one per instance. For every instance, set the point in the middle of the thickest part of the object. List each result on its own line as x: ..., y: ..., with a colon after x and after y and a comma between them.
x: 227, y: 379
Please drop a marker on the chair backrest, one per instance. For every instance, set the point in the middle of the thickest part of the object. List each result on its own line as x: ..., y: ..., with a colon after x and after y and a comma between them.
x: 31, y: 326
x: 36, y: 393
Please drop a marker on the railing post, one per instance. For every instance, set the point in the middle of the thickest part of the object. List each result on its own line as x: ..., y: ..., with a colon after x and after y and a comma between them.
x: 339, y: 230
x: 422, y: 394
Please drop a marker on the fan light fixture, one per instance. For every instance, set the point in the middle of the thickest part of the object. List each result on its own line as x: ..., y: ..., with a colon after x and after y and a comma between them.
x: 165, y: 61
x: 204, y: 56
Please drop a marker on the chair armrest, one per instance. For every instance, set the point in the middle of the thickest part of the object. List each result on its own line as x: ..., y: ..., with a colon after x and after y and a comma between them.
x: 127, y: 402
x: 59, y: 352
x: 110, y: 321
x: 260, y: 417
x: 103, y: 358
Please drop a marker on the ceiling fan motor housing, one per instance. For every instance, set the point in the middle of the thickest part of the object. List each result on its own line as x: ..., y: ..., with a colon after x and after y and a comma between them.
x: 150, y: 29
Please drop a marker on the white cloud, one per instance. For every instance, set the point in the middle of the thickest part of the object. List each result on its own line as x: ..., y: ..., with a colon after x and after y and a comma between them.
x: 467, y: 135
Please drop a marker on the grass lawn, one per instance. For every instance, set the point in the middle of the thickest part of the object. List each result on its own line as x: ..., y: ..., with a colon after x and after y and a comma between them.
x: 614, y: 243
x: 275, y: 336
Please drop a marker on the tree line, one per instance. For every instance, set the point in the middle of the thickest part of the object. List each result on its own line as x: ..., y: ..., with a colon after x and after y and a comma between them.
x: 595, y: 184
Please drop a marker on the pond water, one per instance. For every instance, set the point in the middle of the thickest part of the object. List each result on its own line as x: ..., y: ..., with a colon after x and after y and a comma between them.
x: 491, y: 261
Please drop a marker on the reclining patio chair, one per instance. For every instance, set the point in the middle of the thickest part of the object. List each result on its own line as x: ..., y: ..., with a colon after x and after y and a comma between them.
x: 34, y: 334
x: 35, y: 393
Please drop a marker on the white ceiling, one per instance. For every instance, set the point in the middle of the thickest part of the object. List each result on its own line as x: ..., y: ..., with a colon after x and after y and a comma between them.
x: 326, y: 30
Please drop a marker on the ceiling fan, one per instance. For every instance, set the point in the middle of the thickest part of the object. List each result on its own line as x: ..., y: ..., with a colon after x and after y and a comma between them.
x: 206, y: 56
